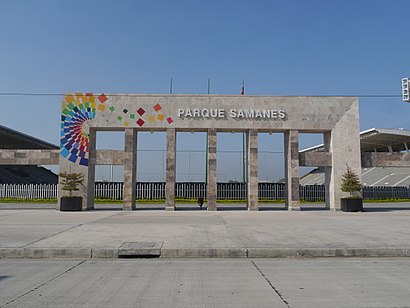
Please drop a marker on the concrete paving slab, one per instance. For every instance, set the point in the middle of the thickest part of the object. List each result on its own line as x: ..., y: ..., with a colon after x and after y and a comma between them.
x: 146, y: 283
x: 18, y: 277
x: 181, y: 230
x: 51, y: 216
x: 340, y: 282
x: 20, y: 228
x: 20, y: 235
x: 321, y: 229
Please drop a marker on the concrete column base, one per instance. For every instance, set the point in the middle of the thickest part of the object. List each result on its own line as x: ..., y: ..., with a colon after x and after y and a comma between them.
x: 332, y: 209
x: 255, y: 209
x: 294, y: 208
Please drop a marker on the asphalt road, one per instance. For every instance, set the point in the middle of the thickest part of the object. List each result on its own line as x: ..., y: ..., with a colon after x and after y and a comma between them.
x: 330, y: 282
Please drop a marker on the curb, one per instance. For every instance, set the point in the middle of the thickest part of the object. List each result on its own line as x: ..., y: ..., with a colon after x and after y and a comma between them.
x: 44, y: 253
x: 112, y: 253
x: 327, y: 252
x: 204, y: 253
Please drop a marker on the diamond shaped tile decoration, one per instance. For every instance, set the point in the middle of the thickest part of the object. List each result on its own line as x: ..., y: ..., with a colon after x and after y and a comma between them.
x: 157, y: 107
x: 102, y: 98
x: 119, y: 118
x: 132, y: 116
x: 169, y: 120
x: 112, y: 108
x: 161, y: 117
x: 140, y: 122
x: 140, y: 111
x: 151, y: 118
x: 69, y: 98
x: 125, y: 111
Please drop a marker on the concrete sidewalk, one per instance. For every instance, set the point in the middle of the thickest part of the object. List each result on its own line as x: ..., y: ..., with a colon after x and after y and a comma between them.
x: 383, y: 230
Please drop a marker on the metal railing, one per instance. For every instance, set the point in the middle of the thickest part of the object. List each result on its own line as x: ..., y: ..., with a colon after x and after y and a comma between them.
x: 28, y: 191
x: 193, y: 190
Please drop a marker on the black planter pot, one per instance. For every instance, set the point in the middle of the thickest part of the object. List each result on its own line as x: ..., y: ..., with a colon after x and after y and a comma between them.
x: 71, y: 203
x: 351, y: 204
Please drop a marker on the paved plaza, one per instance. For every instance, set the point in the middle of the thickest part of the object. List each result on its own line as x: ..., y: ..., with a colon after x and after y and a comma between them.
x: 382, y: 230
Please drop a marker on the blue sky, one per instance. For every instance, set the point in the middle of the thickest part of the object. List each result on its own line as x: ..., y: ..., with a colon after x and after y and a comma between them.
x: 278, y: 47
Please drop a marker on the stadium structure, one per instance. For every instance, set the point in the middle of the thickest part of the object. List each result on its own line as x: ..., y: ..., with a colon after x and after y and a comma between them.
x: 375, y: 140
x: 11, y: 140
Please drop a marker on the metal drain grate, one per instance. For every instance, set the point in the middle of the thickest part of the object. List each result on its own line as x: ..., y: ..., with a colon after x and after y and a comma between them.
x: 140, y: 250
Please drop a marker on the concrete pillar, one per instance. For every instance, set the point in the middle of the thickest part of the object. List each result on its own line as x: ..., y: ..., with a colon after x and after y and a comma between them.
x: 212, y: 187
x: 170, y: 169
x: 90, y: 180
x: 345, y: 149
x: 292, y: 169
x: 252, y: 164
x: 130, y: 158
x: 327, y: 137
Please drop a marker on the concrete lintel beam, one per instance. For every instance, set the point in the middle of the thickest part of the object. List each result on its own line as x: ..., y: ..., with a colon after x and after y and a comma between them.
x: 29, y: 157
x: 315, y: 159
x: 109, y: 157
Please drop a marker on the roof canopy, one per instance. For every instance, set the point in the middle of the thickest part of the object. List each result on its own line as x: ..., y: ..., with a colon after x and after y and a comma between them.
x: 384, y: 140
x: 11, y: 139
x: 379, y: 140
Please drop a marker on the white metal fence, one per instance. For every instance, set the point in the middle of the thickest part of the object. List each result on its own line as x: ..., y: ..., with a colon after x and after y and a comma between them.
x: 193, y: 190
x: 28, y: 191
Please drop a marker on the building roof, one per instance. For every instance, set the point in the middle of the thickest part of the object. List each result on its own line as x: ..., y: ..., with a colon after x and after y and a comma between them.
x: 378, y: 140
x: 20, y: 174
x: 11, y: 139
x: 374, y: 176
x: 384, y: 140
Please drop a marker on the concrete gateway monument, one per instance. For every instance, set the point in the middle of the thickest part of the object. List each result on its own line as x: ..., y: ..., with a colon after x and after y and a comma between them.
x: 85, y: 114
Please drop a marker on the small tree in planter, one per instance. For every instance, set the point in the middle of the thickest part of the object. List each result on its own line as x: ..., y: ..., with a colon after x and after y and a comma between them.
x: 352, y: 185
x: 71, y: 182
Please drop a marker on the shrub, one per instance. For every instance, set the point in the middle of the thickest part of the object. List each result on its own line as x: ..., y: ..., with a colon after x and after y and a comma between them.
x: 351, y: 182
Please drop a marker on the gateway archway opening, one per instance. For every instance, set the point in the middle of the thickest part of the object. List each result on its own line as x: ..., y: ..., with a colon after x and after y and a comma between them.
x: 191, y: 169
x: 271, y: 171
x: 312, y: 194
x: 231, y: 171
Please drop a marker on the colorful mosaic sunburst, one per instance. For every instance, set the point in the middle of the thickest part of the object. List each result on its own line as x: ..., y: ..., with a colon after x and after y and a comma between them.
x: 80, y: 108
x: 77, y: 110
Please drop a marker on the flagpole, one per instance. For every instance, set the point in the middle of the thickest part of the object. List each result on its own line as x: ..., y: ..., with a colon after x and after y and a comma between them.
x: 244, y: 145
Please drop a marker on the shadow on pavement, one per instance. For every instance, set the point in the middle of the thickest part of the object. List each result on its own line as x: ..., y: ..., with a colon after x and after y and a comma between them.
x: 385, y: 209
